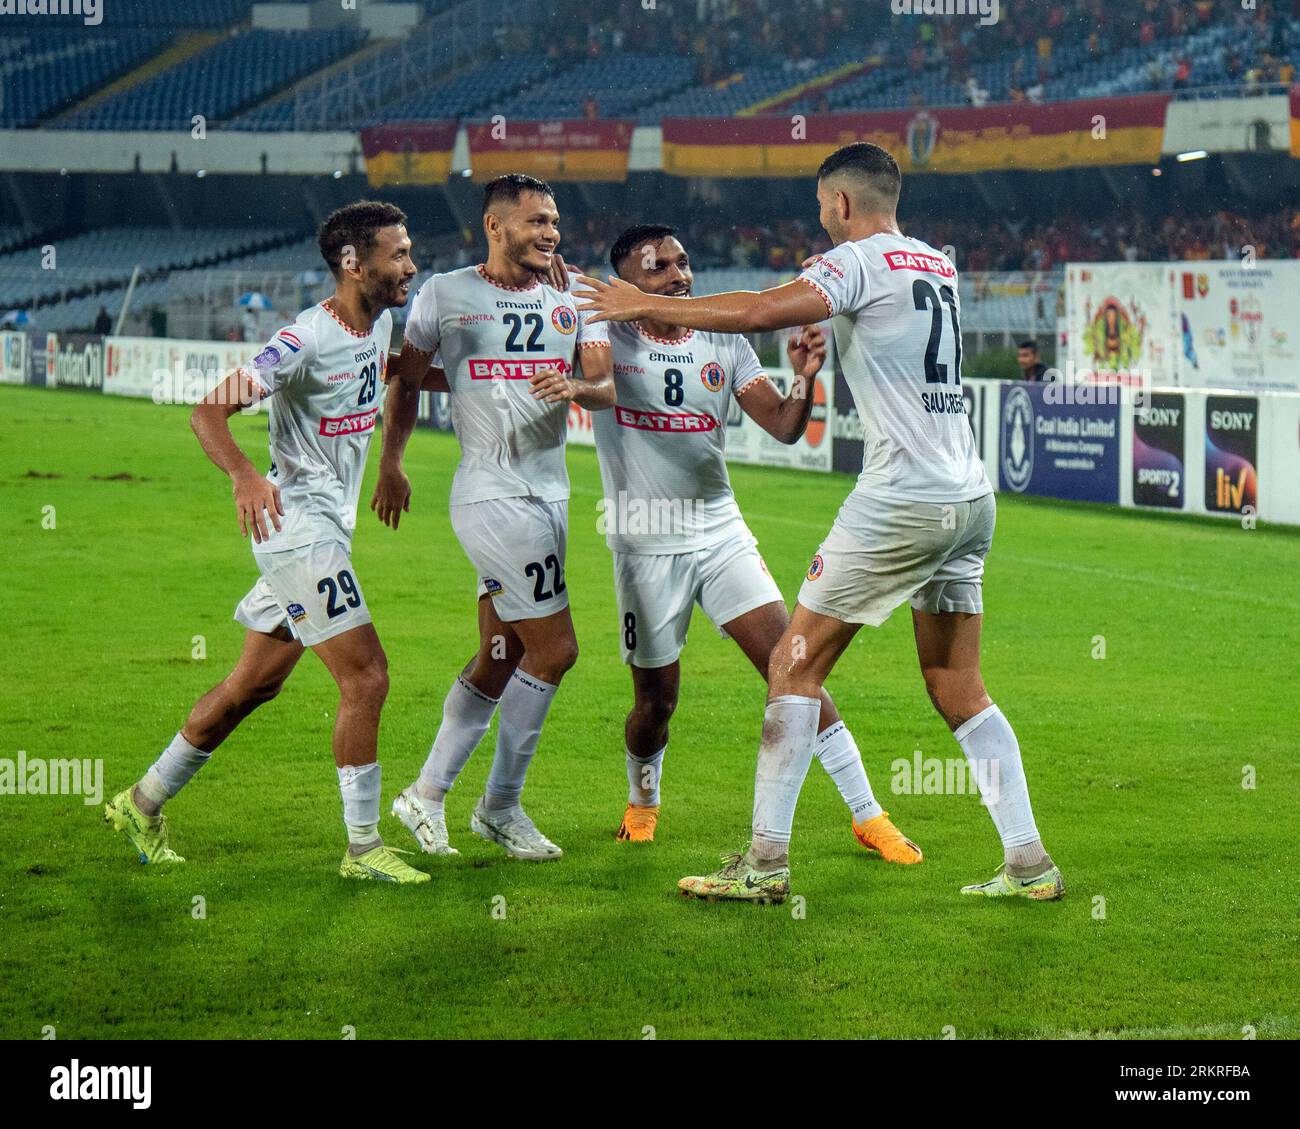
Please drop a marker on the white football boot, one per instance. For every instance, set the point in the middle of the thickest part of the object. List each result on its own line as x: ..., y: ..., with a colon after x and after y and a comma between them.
x: 514, y: 831
x: 427, y: 824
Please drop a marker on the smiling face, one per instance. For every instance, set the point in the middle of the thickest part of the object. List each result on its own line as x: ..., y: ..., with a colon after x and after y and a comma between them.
x: 528, y: 230
x: 661, y: 267
x: 386, y: 272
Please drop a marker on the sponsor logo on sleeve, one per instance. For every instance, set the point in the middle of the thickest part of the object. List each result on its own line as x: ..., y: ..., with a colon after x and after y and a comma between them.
x: 290, y: 340
x: 267, y: 358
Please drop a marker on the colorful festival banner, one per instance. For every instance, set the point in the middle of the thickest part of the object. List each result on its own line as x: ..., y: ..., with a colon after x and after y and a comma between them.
x: 563, y: 150
x: 408, y: 152
x: 1098, y: 131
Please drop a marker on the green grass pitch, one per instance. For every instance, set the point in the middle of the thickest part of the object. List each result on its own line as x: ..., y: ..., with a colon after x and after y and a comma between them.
x: 1135, y: 760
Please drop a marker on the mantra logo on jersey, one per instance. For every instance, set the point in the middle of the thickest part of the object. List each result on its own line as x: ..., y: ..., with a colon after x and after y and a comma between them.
x: 494, y: 368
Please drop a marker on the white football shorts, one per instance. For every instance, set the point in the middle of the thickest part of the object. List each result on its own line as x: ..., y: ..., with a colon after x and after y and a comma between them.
x: 657, y: 594
x: 312, y: 590
x: 881, y: 554
x: 516, y: 546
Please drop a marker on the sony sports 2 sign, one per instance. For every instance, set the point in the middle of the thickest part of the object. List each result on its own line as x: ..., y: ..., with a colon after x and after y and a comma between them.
x: 1159, y: 451
x: 1058, y: 441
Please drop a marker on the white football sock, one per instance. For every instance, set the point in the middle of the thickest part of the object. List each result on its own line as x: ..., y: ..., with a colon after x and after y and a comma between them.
x: 839, y: 755
x: 643, y: 778
x: 990, y: 746
x: 359, y: 786
x: 171, y: 772
x: 466, y: 715
x: 524, y: 706
x: 789, y: 733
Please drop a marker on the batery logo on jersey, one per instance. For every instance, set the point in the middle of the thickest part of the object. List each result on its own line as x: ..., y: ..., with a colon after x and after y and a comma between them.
x: 348, y: 425
x: 915, y: 260
x: 564, y: 319
x: 815, y: 569
x: 663, y: 421
x: 493, y: 368
x: 713, y: 376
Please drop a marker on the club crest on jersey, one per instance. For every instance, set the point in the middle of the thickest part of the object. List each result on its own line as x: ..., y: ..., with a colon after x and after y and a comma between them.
x: 297, y: 612
x: 815, y: 569
x: 713, y: 376
x: 492, y: 586
x: 267, y: 358
x: 564, y: 319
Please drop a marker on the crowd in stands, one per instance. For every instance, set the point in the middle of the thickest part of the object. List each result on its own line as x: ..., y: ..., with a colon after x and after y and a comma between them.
x: 979, y: 244
x: 724, y: 36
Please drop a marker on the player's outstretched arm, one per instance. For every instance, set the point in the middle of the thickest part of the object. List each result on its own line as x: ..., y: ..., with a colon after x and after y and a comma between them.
x: 786, y: 418
x: 739, y: 311
x: 256, y: 499
x: 598, y: 392
x: 406, y: 376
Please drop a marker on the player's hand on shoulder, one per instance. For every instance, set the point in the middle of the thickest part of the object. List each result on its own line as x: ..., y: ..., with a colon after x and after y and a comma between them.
x: 392, y: 495
x: 615, y: 300
x: 257, y: 501
x: 558, y: 276
x: 552, y: 387
x: 806, y: 350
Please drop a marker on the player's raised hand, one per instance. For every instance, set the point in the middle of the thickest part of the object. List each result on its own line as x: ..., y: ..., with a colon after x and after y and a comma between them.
x: 552, y: 387
x: 807, y: 351
x: 392, y: 495
x: 256, y: 499
x: 558, y: 276
x: 614, y: 300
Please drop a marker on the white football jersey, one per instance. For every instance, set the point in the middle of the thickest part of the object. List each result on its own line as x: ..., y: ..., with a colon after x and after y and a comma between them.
x: 662, y: 446
x: 897, y: 321
x: 322, y: 381
x: 491, y: 340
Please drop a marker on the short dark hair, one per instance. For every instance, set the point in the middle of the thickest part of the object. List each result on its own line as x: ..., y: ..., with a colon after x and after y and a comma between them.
x: 869, y: 162
x: 1028, y: 345
x: 512, y: 186
x: 634, y: 236
x: 355, y: 226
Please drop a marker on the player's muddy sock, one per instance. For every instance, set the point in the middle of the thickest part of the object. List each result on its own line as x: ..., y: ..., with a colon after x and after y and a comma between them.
x: 466, y: 715
x: 643, y: 778
x: 169, y: 774
x: 789, y: 734
x: 1028, y: 861
x: 839, y: 755
x: 524, y: 706
x: 359, y: 786
x: 990, y: 746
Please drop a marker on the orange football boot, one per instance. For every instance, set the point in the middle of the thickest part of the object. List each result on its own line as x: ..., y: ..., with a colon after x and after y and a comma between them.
x: 881, y: 836
x: 638, y: 824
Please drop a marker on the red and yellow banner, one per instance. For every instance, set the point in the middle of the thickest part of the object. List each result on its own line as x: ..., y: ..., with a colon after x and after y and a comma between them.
x: 1100, y: 131
x: 408, y: 152
x: 565, y: 150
